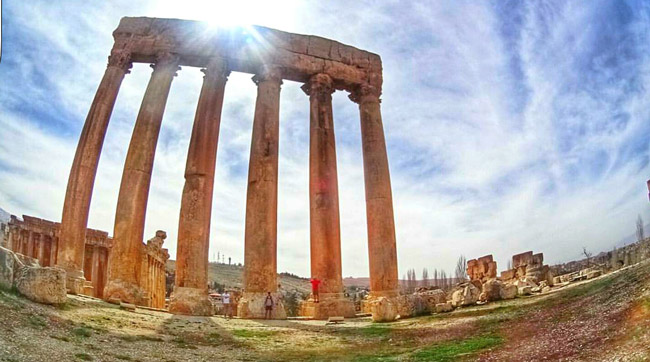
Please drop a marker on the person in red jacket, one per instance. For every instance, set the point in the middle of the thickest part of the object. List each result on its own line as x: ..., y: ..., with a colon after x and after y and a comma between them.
x: 314, y: 289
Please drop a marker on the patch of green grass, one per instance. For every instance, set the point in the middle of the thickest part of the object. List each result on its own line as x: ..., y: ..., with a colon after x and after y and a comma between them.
x: 82, y: 332
x: 123, y: 357
x: 182, y: 343
x: 375, y: 331
x: 248, y: 333
x: 37, y: 321
x: 84, y: 356
x: 452, y: 350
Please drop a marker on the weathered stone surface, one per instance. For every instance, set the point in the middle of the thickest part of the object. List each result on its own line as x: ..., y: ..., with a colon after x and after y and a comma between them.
x: 464, y: 295
x: 492, y: 290
x: 127, y: 306
x: 190, y: 301
x: 7, y: 260
x: 593, y: 274
x: 434, y: 297
x: 328, y: 307
x: 444, y: 307
x: 525, y: 290
x: 42, y: 285
x: 196, y: 202
x: 251, y: 305
x: 260, y: 235
x: 508, y: 291
x: 124, y: 274
x: 383, y: 310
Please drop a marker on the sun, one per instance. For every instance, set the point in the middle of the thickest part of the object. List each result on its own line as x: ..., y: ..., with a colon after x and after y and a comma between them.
x: 240, y: 13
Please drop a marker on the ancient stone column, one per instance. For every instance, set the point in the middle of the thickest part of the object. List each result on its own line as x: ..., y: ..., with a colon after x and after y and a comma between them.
x: 84, y: 168
x: 260, y: 239
x: 325, y: 231
x: 190, y: 294
x: 95, y: 272
x: 379, y: 200
x: 125, y: 261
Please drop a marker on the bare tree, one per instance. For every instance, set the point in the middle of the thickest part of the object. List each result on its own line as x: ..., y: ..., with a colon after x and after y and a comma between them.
x: 425, y: 277
x: 443, y: 280
x: 639, y: 229
x: 435, y: 278
x: 509, y: 264
x: 461, y: 268
x: 587, y: 255
x: 411, y: 280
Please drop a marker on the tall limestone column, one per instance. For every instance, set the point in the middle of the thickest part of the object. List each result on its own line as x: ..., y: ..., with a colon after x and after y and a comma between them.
x: 84, y: 168
x: 260, y: 240
x: 190, y: 294
x: 325, y: 231
x: 379, y: 200
x: 124, y: 279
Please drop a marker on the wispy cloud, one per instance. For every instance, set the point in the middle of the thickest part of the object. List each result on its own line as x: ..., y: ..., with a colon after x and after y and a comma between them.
x: 510, y: 125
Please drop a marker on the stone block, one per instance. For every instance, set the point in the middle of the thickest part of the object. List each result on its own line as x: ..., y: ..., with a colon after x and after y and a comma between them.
x: 190, y: 301
x: 444, y: 307
x: 464, y: 295
x: 525, y: 290
x: 42, y: 285
x: 7, y: 260
x: 508, y: 291
x: 328, y: 307
x: 383, y: 310
x: 127, y: 306
x: 508, y: 274
x: 492, y: 290
x: 251, y: 306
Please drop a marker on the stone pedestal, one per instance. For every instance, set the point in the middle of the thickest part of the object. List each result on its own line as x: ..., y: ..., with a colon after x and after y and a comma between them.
x: 330, y: 305
x: 190, y: 301
x: 75, y: 282
x: 251, y: 306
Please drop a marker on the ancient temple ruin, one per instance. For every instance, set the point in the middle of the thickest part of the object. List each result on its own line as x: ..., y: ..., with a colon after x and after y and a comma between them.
x: 39, y: 239
x: 324, y: 66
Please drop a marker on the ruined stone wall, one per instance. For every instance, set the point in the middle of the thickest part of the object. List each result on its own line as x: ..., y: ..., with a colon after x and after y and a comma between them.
x: 611, y: 260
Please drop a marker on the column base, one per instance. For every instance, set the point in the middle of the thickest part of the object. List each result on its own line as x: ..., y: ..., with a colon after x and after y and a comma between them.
x: 251, y: 306
x: 74, y: 282
x: 383, y: 305
x: 126, y: 292
x: 330, y: 305
x: 190, y: 301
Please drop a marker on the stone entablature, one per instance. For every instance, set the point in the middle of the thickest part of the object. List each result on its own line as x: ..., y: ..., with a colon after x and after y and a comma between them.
x: 248, y: 50
x: 528, y: 266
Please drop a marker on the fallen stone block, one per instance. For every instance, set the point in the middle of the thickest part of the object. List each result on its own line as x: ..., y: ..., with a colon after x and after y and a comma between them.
x: 594, y: 274
x: 127, y: 306
x: 42, y: 285
x: 383, y: 310
x: 444, y: 307
x: 526, y: 290
x: 6, y: 268
x: 508, y: 291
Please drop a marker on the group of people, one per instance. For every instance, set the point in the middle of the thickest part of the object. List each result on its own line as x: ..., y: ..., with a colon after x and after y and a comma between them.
x: 269, y: 302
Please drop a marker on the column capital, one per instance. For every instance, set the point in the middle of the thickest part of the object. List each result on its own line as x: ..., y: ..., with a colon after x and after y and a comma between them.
x: 216, y: 68
x: 120, y: 58
x: 268, y: 73
x: 318, y: 84
x: 365, y: 93
x: 167, y: 60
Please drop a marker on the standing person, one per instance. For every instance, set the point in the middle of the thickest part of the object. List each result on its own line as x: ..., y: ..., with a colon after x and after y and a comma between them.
x: 314, y: 289
x: 268, y: 306
x: 227, y: 310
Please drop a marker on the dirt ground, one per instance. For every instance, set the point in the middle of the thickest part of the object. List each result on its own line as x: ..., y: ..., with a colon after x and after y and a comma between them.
x: 607, y: 318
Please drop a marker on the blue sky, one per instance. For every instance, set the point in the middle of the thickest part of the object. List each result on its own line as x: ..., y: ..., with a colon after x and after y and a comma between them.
x: 511, y: 126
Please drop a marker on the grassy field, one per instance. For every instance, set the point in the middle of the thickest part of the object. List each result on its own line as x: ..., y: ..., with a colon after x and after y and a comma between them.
x: 604, y: 319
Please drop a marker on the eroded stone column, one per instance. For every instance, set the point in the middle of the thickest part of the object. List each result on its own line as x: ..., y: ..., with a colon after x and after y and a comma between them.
x: 325, y: 231
x: 78, y: 194
x: 124, y: 278
x: 379, y: 200
x: 191, y: 295
x: 260, y: 240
